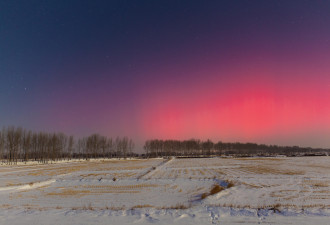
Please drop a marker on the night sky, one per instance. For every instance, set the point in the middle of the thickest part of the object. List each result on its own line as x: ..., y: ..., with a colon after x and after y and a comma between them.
x: 248, y: 71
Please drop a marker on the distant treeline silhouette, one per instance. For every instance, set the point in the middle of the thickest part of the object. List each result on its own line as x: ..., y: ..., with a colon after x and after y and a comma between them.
x: 195, y: 148
x: 18, y: 144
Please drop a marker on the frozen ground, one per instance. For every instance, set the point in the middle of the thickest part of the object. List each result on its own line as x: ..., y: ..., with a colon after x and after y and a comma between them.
x: 261, y: 190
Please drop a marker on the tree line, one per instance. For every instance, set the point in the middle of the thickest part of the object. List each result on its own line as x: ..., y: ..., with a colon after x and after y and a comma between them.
x: 18, y: 144
x: 196, y: 147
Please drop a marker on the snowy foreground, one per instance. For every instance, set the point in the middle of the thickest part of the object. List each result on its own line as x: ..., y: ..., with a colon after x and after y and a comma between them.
x: 254, y: 191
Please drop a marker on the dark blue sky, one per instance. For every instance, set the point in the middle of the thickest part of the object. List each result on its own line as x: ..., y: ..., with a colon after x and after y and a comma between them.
x: 115, y: 66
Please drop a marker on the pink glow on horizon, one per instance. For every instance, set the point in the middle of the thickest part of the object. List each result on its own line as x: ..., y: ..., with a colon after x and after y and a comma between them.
x: 255, y: 109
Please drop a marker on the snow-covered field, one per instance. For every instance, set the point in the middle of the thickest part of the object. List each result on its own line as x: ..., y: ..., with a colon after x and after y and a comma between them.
x: 255, y: 190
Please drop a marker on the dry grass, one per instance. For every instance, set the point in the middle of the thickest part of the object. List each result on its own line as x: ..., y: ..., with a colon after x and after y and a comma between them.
x: 215, y: 189
x: 88, y: 207
x: 277, y: 207
x: 10, y: 184
x: 85, y: 207
x: 201, y: 172
x: 230, y: 184
x: 321, y: 184
x: 323, y: 192
x: 305, y: 190
x: 142, y: 206
x: 260, y: 159
x: 317, y: 183
x: 177, y: 206
x: 258, y: 169
x: 204, y: 195
x: 80, y: 192
x: 5, y: 206
x: 100, y: 189
x: 69, y: 192
x: 115, y: 208
x: 106, y: 165
x: 119, y: 187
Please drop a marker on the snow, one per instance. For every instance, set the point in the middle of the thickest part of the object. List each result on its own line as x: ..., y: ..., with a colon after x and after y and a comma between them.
x: 158, y: 191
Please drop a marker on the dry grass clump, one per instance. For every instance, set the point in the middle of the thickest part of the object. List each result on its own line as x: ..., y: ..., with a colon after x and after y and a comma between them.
x: 275, y: 208
x: 317, y: 183
x: 85, y: 207
x: 215, y: 189
x: 321, y: 184
x: 142, y: 206
x: 113, y: 208
x: 9, y: 184
x: 230, y: 184
x: 204, y: 195
x: 177, y: 206
x: 88, y: 207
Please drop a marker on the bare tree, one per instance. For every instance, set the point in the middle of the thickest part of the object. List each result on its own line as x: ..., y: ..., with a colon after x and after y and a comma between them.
x: 70, y: 147
x: 18, y: 144
x: 2, y: 144
x: 130, y: 147
x: 26, y: 144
